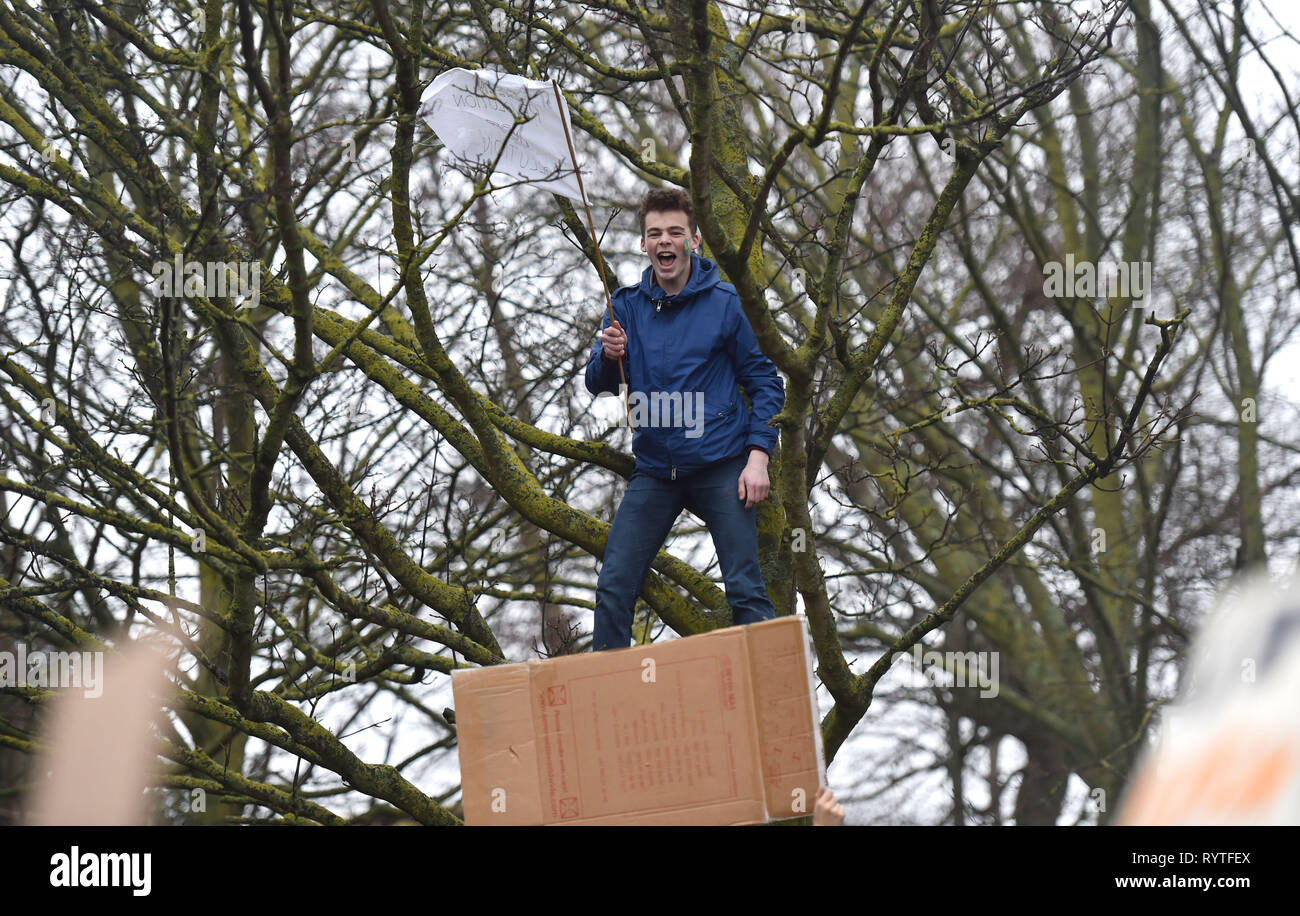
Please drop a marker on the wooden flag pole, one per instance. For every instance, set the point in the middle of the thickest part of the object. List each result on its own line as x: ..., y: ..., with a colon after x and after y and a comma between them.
x: 595, y: 243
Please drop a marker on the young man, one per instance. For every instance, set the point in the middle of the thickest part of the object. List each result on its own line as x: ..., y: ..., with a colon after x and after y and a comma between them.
x: 685, y: 343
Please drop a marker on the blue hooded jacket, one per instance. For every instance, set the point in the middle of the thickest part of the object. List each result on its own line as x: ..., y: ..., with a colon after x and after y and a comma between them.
x: 685, y: 355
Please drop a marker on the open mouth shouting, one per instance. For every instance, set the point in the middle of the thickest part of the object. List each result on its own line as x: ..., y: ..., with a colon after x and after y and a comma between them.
x: 670, y: 263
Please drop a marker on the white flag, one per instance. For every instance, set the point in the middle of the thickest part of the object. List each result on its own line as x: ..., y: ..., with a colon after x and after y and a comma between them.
x: 473, y: 111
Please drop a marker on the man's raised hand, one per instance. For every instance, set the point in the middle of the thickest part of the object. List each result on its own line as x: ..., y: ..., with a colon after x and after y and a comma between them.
x: 614, y: 342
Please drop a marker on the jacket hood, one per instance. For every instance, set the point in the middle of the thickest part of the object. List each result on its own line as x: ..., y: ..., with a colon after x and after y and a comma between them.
x: 704, y: 276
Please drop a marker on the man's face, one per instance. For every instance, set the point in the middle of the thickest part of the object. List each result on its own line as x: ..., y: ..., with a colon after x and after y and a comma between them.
x: 665, y: 239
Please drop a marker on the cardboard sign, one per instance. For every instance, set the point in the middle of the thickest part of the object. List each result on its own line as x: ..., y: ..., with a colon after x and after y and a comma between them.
x: 721, y: 728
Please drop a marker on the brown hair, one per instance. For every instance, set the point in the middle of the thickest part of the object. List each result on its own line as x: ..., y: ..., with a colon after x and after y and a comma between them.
x: 661, y: 200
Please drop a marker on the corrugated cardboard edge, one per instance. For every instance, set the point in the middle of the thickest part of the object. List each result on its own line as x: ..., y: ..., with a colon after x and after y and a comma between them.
x: 810, y: 657
x: 755, y: 738
x: 789, y: 789
x: 502, y: 787
x: 810, y: 668
x: 731, y: 813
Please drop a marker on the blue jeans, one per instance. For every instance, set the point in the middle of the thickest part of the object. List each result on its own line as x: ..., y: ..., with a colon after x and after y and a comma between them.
x: 649, y: 508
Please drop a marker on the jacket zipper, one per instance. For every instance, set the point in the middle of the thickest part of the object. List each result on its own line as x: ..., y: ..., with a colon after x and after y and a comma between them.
x: 659, y: 307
